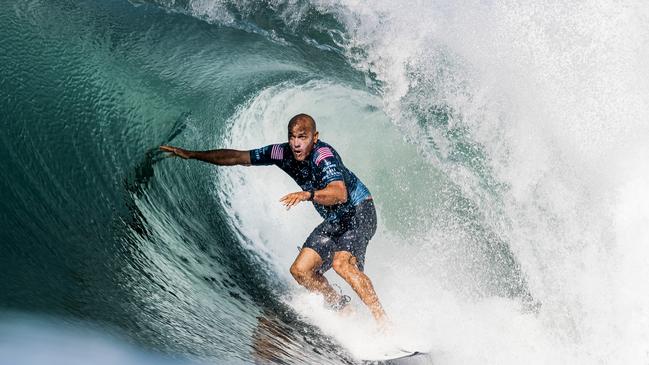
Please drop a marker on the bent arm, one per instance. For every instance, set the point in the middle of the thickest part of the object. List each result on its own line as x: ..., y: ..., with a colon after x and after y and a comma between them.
x: 223, y: 157
x: 334, y: 193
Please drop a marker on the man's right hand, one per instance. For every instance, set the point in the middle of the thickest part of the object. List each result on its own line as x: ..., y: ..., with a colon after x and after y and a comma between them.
x: 176, y: 151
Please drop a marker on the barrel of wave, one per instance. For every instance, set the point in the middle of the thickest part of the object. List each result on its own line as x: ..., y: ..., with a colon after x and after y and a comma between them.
x: 351, y: 120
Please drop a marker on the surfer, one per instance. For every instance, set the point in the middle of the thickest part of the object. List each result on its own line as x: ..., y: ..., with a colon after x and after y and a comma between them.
x: 346, y: 205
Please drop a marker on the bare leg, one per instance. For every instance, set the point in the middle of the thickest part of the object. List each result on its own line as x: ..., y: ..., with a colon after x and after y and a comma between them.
x: 304, y: 271
x: 345, y: 265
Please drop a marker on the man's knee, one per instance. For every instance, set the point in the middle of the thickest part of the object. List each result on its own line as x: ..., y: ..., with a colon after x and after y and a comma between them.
x: 343, y: 266
x: 296, y: 272
x: 304, y: 266
x: 300, y: 272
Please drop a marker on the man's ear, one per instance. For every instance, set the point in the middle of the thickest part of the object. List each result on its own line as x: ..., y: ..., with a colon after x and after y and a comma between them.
x: 315, y: 136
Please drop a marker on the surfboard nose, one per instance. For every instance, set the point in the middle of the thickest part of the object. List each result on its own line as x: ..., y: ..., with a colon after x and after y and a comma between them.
x: 411, y: 358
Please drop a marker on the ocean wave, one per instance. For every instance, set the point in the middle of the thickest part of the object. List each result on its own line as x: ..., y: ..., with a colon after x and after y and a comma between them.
x: 503, y: 143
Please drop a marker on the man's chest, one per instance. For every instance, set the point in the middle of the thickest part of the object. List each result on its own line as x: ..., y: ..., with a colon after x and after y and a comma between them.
x: 304, y: 174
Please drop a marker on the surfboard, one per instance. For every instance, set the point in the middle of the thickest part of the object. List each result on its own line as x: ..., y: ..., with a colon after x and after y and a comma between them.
x: 394, y: 354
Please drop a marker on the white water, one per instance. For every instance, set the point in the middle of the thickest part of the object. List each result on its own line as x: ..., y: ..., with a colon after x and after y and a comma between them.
x: 411, y: 261
x: 557, y: 97
x: 556, y: 93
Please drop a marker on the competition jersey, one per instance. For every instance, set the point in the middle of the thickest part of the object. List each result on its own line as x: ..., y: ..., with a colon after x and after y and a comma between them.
x: 321, y: 167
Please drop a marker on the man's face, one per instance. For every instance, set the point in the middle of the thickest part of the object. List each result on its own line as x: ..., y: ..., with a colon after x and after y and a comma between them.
x: 301, y: 140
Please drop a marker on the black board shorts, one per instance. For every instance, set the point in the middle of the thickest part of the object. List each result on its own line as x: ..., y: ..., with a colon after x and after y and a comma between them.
x: 351, y: 233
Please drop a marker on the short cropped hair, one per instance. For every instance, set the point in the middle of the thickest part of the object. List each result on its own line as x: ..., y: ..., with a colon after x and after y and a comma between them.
x: 302, y: 118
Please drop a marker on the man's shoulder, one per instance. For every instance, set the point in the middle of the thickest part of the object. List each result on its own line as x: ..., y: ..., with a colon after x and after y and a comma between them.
x: 322, y: 151
x: 272, y: 152
x: 321, y: 146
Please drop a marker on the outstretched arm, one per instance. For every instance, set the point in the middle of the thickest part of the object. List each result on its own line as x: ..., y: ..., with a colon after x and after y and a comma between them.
x: 223, y: 157
x: 334, y: 193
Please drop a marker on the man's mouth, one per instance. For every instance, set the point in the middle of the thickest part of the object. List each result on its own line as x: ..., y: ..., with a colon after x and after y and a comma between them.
x: 298, y: 154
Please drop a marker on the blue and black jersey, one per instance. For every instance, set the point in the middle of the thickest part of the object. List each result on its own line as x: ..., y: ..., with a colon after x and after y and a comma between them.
x: 323, y: 166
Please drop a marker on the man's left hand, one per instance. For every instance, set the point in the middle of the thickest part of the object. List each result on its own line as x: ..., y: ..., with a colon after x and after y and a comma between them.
x: 292, y: 199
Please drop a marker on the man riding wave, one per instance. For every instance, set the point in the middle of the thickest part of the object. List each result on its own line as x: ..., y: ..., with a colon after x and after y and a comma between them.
x: 343, y: 201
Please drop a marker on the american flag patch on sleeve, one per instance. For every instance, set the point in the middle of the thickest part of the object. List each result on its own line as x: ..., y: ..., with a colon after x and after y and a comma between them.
x: 277, y: 152
x: 322, y: 153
